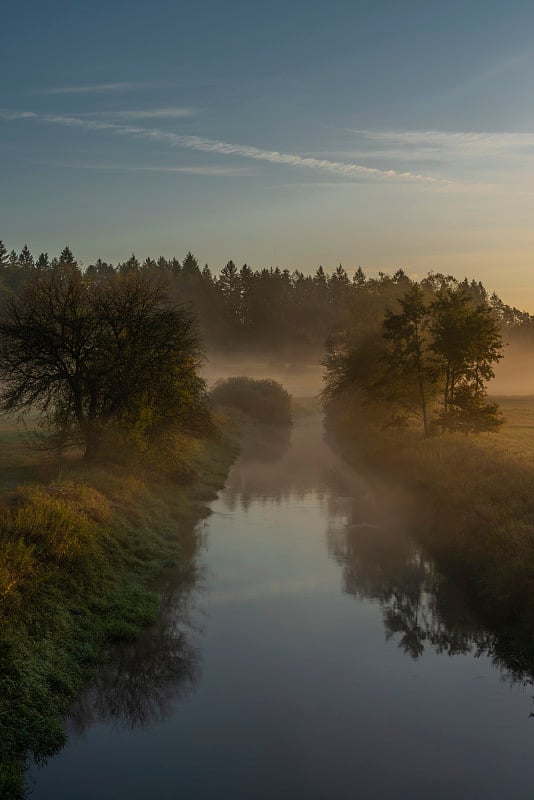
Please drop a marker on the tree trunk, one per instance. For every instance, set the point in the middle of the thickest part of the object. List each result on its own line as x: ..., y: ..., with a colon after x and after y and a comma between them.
x: 90, y: 436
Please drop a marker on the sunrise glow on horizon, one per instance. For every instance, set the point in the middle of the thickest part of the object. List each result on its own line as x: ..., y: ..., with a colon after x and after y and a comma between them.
x: 374, y: 134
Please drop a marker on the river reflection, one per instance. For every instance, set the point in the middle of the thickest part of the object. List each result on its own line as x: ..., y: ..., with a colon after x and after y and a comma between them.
x: 308, y: 650
x: 421, y: 607
x: 280, y: 464
x: 146, y: 677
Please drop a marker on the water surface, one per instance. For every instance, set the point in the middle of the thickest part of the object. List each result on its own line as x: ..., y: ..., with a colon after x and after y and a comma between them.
x: 307, y: 650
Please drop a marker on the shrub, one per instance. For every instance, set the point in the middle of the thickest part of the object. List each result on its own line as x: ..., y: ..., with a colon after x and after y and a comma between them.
x: 264, y: 400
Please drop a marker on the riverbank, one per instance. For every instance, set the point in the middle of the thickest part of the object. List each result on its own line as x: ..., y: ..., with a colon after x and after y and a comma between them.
x: 79, y: 548
x: 470, y: 502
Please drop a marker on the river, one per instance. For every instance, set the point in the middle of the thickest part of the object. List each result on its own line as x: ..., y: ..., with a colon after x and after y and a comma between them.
x: 307, y: 649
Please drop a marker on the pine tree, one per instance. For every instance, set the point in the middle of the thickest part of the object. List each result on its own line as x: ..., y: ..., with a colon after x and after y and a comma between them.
x: 132, y: 265
x: 66, y: 258
x: 4, y: 259
x: 25, y: 258
x: 42, y: 262
x: 359, y: 278
x: 229, y: 284
x: 190, y: 264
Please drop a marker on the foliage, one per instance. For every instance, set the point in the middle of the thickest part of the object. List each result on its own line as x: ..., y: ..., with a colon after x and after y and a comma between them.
x: 263, y: 400
x: 409, y: 381
x: 431, y: 362
x: 95, y: 358
x: 275, y: 311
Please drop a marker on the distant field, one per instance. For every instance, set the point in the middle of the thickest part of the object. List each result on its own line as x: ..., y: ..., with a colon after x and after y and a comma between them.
x: 517, y: 433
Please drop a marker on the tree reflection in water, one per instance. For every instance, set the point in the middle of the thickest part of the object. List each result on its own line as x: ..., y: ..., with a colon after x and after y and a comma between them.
x: 277, y: 464
x: 421, y: 607
x: 147, y: 676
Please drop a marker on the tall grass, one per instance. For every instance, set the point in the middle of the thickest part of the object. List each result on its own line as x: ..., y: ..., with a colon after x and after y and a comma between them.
x: 77, y: 556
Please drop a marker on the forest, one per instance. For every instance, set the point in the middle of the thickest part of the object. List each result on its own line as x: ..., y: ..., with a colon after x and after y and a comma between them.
x: 277, y: 312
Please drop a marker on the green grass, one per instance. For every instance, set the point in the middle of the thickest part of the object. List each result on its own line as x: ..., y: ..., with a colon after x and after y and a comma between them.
x: 79, y: 549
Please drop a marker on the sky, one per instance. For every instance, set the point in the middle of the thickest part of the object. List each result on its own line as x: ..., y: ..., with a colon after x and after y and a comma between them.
x: 378, y: 133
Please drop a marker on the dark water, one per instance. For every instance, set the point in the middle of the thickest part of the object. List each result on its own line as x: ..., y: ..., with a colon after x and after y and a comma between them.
x: 307, y: 650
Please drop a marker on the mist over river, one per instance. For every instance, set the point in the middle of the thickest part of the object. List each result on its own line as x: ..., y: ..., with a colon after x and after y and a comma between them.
x: 306, y: 649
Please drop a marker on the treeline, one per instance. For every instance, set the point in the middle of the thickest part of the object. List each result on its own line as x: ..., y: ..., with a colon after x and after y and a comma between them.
x: 269, y: 310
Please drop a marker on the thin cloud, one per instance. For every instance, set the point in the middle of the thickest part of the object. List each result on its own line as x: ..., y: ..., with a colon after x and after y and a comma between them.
x: 147, y: 113
x: 102, y: 87
x: 434, y: 142
x: 516, y: 62
x: 204, y: 170
x: 205, y: 145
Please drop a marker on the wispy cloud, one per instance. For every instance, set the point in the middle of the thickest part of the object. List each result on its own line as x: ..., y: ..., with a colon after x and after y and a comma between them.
x: 102, y: 87
x: 436, y: 143
x: 206, y: 170
x: 518, y: 65
x: 147, y: 113
x: 202, y: 144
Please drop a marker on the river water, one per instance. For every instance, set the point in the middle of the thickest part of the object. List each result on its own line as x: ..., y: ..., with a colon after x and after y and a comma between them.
x: 308, y: 650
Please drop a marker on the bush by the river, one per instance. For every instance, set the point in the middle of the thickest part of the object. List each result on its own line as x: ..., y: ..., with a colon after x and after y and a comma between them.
x: 263, y: 400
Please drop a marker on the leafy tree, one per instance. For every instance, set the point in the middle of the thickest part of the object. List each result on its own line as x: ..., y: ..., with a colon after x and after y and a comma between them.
x: 468, y: 342
x: 410, y: 379
x: 470, y: 412
x: 94, y: 358
x: 435, y: 355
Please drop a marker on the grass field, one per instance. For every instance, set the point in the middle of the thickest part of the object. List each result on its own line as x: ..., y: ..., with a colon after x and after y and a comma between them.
x: 517, y: 433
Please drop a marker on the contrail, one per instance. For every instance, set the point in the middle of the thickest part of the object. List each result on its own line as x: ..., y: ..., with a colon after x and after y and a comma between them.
x: 224, y: 148
x: 101, y: 87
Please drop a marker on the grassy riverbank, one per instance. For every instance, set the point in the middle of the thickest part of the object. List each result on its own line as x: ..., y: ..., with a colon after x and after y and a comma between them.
x: 79, y: 548
x: 470, y: 501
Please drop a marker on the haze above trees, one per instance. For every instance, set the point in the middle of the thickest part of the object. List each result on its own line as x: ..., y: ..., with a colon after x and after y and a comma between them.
x: 120, y: 347
x: 273, y: 311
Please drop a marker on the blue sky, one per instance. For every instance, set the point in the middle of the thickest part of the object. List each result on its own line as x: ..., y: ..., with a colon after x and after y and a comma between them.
x: 386, y: 134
